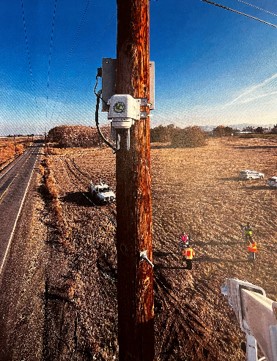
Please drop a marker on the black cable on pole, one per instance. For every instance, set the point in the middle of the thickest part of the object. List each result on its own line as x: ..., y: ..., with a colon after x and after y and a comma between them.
x: 98, y: 98
x: 239, y: 12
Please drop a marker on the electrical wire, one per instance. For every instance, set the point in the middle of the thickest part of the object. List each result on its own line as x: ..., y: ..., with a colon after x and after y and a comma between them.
x: 95, y: 87
x: 75, y: 41
x: 50, y: 55
x: 84, y: 61
x: 27, y: 48
x: 98, y: 98
x: 239, y: 12
x: 256, y: 7
x: 98, y: 42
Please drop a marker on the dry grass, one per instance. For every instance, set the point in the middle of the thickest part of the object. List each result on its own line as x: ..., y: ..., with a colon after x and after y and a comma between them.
x: 10, y: 149
x: 55, y: 204
x: 199, y: 191
x: 7, y: 152
x: 196, y: 190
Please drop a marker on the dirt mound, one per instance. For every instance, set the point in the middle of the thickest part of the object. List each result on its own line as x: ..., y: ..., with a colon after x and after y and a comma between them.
x: 67, y: 136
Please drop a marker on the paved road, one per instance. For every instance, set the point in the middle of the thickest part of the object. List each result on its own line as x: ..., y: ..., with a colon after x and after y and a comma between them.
x: 14, y: 181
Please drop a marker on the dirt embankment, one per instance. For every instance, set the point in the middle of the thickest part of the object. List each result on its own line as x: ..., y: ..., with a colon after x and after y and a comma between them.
x: 196, y: 190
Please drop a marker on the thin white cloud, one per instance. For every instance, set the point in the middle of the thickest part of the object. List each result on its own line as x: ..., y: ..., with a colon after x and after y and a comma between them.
x: 262, y: 111
x: 257, y: 97
x: 245, y: 97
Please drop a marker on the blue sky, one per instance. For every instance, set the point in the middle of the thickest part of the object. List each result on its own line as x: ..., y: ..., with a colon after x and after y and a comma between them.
x: 212, y: 66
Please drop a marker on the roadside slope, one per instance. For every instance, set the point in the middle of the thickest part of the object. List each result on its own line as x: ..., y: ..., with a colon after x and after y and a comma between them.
x: 22, y: 284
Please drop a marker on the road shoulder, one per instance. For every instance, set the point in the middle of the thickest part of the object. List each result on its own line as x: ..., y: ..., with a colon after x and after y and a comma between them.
x: 22, y: 283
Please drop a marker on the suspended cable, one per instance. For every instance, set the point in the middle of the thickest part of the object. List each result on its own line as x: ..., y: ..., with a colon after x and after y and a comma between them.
x: 98, y: 98
x: 50, y: 55
x: 99, y: 40
x: 256, y: 7
x: 76, y: 84
x: 239, y: 12
x: 75, y: 41
x: 27, y: 48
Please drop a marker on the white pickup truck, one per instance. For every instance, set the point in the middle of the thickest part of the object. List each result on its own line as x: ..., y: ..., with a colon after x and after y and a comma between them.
x: 272, y: 182
x: 101, y: 193
x: 250, y: 174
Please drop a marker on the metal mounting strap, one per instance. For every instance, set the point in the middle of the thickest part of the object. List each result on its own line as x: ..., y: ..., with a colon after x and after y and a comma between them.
x: 143, y: 257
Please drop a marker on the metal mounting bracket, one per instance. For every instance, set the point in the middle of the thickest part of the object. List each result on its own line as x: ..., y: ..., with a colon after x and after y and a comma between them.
x: 143, y: 257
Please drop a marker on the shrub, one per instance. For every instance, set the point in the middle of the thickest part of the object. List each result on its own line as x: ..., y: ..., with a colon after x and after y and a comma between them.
x: 189, y: 137
x: 52, y: 193
x: 7, y: 152
x: 163, y: 134
x: 274, y: 129
x: 19, y: 149
x: 222, y: 131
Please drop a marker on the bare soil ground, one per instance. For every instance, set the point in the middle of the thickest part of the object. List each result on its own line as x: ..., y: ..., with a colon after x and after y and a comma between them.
x: 196, y: 190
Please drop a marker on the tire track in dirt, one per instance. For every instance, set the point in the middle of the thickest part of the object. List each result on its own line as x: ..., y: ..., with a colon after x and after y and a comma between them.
x: 77, y: 191
x: 196, y: 190
x: 92, y: 231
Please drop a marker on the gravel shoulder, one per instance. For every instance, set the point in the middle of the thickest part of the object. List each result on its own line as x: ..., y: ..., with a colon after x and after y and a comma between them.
x: 22, y: 284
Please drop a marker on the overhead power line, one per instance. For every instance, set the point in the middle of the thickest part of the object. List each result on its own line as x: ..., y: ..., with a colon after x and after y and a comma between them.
x: 256, y: 7
x: 27, y: 48
x: 50, y: 54
x: 71, y: 51
x: 239, y: 12
x: 105, y: 31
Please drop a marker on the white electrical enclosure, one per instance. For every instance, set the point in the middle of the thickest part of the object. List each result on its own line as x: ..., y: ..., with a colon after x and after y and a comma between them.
x: 123, y: 110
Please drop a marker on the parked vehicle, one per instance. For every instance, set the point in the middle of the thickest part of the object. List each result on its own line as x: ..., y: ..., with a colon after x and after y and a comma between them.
x: 272, y: 182
x: 101, y: 193
x: 250, y: 174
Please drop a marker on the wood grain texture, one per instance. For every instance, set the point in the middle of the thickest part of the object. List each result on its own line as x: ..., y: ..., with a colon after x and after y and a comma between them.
x: 134, y: 206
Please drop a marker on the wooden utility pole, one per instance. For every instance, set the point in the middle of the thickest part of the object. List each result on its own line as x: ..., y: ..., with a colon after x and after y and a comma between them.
x: 134, y: 205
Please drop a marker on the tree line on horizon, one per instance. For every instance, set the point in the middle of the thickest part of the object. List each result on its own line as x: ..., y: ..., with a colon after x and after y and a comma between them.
x: 191, y: 136
x: 83, y: 136
x: 173, y: 134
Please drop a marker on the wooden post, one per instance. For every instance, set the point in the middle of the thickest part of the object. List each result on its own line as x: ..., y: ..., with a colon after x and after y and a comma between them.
x: 134, y: 205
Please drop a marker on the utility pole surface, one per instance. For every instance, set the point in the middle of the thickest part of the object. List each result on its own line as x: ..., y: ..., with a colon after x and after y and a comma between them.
x: 133, y: 190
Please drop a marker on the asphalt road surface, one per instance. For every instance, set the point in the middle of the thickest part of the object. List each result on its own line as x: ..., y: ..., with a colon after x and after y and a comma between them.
x: 14, y: 182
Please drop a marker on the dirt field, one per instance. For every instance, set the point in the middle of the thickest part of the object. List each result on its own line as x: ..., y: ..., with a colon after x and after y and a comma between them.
x: 196, y: 190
